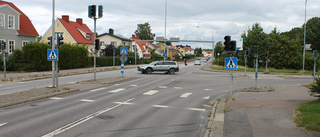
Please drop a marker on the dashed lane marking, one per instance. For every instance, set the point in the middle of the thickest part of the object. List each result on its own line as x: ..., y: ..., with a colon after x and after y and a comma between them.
x: 133, y: 85
x: 82, y: 120
x: 116, y: 84
x: 73, y: 82
x: 163, y: 87
x: 207, y: 89
x: 116, y: 90
x: 151, y: 92
x: 185, y: 95
x: 97, y: 89
x: 160, y: 106
x: 177, y: 87
x: 123, y: 103
x: 208, y: 97
x: 197, y: 109
x: 55, y: 98
x: 2, y: 124
x: 86, y: 100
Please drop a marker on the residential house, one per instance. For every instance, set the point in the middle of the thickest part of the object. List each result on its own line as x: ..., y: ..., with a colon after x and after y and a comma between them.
x: 143, y: 47
x: 207, y: 53
x: 16, y: 28
x: 181, y: 50
x: 72, y: 32
x: 167, y: 49
x: 188, y: 50
x: 114, y: 40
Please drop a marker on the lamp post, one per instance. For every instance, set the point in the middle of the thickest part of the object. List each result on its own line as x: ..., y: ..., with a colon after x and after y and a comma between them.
x: 304, y: 35
x: 212, y: 39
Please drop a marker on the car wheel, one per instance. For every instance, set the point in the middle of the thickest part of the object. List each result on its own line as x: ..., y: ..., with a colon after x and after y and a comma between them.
x: 171, y: 71
x: 148, y: 71
x: 143, y: 72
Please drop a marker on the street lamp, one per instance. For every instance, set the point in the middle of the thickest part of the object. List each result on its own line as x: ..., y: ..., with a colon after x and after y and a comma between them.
x: 304, y: 35
x: 212, y: 39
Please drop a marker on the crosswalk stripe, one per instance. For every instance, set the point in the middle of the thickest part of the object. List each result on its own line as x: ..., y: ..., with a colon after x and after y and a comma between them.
x: 151, y: 92
x: 86, y: 100
x: 116, y: 90
x: 185, y: 95
x: 197, y: 109
x: 55, y: 98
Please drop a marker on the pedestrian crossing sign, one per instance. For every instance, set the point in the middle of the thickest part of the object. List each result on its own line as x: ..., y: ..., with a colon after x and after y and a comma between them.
x: 231, y: 64
x: 123, y: 51
x: 53, y: 54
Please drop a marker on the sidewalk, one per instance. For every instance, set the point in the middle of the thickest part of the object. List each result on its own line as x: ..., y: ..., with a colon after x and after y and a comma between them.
x: 266, y: 114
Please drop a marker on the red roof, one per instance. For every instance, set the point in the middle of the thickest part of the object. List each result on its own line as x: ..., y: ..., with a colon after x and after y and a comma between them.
x: 74, y: 27
x: 140, y: 43
x: 26, y: 27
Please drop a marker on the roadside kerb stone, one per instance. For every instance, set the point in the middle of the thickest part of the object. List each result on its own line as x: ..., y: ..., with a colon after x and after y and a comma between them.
x: 215, y: 123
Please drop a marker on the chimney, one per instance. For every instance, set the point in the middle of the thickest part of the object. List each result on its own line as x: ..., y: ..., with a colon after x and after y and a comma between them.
x: 65, y: 17
x: 137, y: 37
x: 133, y: 36
x: 79, y: 21
x: 111, y: 31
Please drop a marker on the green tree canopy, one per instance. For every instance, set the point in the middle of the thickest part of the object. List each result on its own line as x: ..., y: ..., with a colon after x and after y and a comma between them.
x: 144, y: 31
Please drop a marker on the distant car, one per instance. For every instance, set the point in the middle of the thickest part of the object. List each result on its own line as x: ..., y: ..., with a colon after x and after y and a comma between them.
x: 204, y: 60
x: 169, y: 67
x: 197, y: 61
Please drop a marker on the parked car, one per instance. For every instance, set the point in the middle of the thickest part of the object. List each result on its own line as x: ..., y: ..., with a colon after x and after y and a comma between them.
x: 169, y: 67
x: 197, y: 61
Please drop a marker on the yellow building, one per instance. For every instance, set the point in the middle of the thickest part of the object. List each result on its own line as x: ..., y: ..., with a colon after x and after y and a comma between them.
x: 182, y: 50
x: 167, y: 49
x: 72, y: 33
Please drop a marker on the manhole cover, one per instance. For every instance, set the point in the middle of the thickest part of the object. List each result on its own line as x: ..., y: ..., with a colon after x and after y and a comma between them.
x: 106, y: 117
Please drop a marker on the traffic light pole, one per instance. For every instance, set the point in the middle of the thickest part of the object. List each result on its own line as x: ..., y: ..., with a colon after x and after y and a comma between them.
x: 4, y: 64
x: 245, y: 64
x: 95, y: 51
x: 53, y: 43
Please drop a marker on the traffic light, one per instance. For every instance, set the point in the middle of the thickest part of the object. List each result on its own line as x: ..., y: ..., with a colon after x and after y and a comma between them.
x: 227, y: 46
x: 97, y: 44
x: 247, y: 53
x: 100, y: 13
x: 267, y: 54
x: 50, y: 40
x: 59, y: 42
x: 233, y: 46
x: 92, y: 11
x: 256, y: 50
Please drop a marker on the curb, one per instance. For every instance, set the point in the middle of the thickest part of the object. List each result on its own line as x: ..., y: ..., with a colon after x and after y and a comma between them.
x: 216, y: 121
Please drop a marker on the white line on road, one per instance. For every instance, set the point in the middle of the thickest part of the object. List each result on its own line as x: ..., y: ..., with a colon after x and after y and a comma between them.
x: 123, y: 103
x: 160, y: 106
x: 116, y: 90
x: 133, y: 85
x: 73, y: 82
x: 55, y: 98
x: 207, y: 89
x: 1, y: 85
x: 2, y: 124
x: 84, y: 119
x: 197, y: 109
x: 116, y: 84
x: 86, y: 100
x: 97, y: 89
x: 185, y: 95
x: 208, y: 97
x: 151, y: 92
x: 163, y: 87
x: 177, y: 87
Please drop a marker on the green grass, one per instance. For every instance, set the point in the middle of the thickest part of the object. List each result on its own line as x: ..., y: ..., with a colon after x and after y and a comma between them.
x: 269, y: 71
x: 308, y: 115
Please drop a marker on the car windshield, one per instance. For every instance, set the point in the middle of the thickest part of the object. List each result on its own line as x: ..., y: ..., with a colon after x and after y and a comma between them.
x: 152, y: 63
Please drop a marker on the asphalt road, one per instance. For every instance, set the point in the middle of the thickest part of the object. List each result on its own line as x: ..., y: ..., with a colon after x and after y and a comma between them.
x: 149, y: 105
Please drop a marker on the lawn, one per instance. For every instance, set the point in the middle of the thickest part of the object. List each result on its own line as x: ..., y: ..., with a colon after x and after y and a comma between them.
x: 308, y: 115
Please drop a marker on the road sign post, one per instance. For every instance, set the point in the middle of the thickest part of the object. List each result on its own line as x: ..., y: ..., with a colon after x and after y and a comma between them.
x: 231, y: 64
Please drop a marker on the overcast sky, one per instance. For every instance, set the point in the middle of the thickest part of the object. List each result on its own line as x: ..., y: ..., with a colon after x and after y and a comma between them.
x: 226, y: 17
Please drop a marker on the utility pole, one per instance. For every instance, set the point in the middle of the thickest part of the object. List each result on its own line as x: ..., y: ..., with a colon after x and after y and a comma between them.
x: 53, y: 43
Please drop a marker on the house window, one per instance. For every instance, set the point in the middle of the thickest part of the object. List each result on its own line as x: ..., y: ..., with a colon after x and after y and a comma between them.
x: 88, y: 36
x: 10, y: 22
x: 2, y: 20
x: 11, y: 46
x: 1, y: 40
x: 114, y: 43
x: 24, y: 43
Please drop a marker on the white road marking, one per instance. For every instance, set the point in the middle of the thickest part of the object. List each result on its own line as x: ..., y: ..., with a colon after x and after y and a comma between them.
x: 86, y: 100
x: 116, y: 84
x: 55, y: 98
x: 208, y: 97
x: 197, y: 109
x: 21, y: 82
x: 116, y: 90
x: 173, y: 80
x: 1, y: 85
x: 84, y: 119
x: 151, y: 92
x: 2, y: 124
x: 163, y: 87
x: 72, y: 82
x: 207, y: 89
x: 97, y: 89
x: 177, y: 87
x: 185, y: 95
x: 160, y: 106
x: 133, y: 85
x: 123, y: 103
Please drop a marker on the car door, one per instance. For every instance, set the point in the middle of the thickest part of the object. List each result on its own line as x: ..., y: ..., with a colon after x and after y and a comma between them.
x: 157, y: 66
x: 165, y: 66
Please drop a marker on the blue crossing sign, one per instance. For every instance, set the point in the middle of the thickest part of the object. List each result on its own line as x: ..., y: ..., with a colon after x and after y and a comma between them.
x: 53, y: 54
x: 123, y: 51
x: 230, y: 64
x: 165, y: 54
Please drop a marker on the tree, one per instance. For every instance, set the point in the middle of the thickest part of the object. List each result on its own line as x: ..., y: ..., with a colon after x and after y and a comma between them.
x: 108, y: 51
x: 313, y: 33
x: 218, y: 49
x: 144, y: 31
